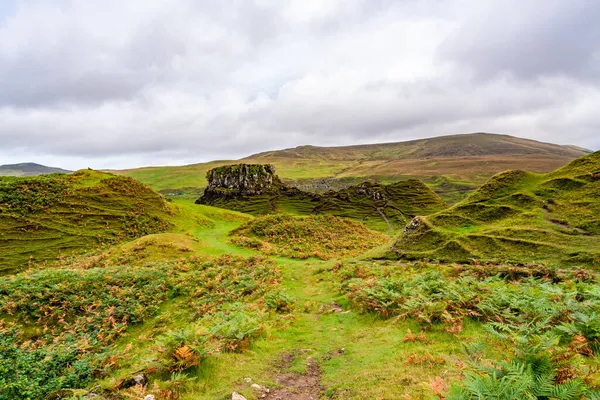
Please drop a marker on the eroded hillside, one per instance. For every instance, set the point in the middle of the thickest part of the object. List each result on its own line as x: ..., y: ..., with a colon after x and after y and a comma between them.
x: 518, y: 217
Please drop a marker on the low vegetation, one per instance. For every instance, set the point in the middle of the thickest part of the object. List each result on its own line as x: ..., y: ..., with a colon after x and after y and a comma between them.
x: 321, y: 237
x: 546, y: 320
x: 129, y: 296
x: 60, y: 324
x: 451, y: 165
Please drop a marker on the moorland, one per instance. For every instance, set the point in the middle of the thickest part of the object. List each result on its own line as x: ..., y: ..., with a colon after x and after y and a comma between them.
x: 398, y: 271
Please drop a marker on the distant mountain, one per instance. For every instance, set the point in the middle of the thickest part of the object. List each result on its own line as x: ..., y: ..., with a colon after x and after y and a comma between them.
x: 452, y: 146
x: 29, y: 169
x: 450, y: 165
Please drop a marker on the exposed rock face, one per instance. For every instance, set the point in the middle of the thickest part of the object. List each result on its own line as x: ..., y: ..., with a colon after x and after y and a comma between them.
x: 239, y: 180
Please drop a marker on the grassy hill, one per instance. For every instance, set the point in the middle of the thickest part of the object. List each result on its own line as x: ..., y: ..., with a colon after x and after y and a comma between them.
x: 51, y: 215
x: 451, y: 165
x: 248, y: 188
x: 195, y: 311
x: 29, y: 169
x: 518, y: 217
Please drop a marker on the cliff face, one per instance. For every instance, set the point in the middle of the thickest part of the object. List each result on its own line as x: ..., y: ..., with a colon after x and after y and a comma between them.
x: 239, y: 180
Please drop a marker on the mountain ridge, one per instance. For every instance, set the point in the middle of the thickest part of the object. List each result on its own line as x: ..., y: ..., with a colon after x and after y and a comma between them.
x: 29, y: 169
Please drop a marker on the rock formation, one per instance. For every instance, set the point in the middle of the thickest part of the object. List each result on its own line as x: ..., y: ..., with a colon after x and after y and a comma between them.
x: 255, y: 189
x: 240, y: 180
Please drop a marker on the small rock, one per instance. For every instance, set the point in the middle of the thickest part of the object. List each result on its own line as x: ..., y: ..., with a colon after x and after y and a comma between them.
x: 149, y: 397
x: 139, y: 379
x: 248, y: 380
x: 237, y: 396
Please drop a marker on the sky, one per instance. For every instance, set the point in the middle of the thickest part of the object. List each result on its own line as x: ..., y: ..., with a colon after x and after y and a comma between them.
x: 121, y: 84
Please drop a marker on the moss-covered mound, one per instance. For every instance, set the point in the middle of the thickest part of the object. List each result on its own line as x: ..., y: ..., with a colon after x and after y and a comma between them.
x: 517, y: 217
x: 256, y: 190
x: 44, y: 217
x: 323, y: 237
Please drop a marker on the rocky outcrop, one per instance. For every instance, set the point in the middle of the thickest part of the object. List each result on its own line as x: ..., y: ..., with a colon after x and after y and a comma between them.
x: 239, y: 180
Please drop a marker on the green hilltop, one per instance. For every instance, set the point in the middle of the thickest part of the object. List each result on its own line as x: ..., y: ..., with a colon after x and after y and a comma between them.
x: 517, y: 217
x: 29, y: 169
x: 42, y: 218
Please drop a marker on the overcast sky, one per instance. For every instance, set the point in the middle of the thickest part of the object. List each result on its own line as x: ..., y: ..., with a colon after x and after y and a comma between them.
x: 116, y: 84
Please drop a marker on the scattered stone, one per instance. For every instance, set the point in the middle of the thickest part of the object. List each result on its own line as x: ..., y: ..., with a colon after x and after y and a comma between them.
x: 260, y: 388
x: 135, y: 380
x: 248, y: 380
x: 237, y: 396
x: 149, y: 397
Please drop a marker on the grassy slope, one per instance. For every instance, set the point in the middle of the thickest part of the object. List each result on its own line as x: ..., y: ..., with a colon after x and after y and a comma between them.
x: 518, y: 217
x: 450, y: 164
x: 375, y: 361
x: 47, y: 216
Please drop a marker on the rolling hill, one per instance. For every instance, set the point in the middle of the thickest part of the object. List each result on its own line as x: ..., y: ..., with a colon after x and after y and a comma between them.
x: 450, y: 165
x: 29, y: 169
x: 44, y: 217
x: 518, y: 217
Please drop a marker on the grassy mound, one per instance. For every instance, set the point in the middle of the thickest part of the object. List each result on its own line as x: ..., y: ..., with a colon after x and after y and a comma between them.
x: 322, y: 237
x: 47, y: 216
x: 517, y: 217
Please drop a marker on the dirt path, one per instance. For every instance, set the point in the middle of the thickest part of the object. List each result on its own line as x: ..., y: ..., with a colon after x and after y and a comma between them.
x: 296, y: 386
x: 561, y: 224
x: 385, y: 218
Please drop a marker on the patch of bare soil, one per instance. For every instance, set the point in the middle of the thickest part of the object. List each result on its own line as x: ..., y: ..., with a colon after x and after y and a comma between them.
x: 297, y: 386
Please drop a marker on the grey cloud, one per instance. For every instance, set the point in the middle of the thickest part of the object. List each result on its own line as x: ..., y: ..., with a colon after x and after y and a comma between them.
x: 534, y: 38
x: 171, y: 82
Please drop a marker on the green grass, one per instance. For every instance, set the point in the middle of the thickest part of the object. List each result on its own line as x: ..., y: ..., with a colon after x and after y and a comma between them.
x: 323, y: 237
x: 197, y: 314
x: 517, y: 217
x: 42, y: 218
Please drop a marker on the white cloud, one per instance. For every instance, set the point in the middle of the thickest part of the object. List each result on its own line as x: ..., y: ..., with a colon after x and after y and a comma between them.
x: 122, y: 84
